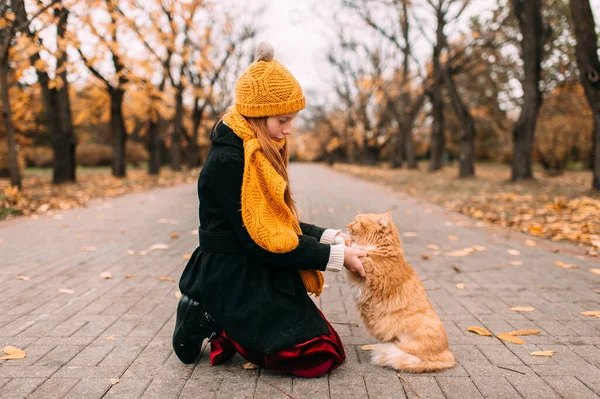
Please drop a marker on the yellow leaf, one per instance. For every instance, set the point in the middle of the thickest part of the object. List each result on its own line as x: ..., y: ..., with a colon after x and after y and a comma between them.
x: 325, y: 285
x: 564, y: 265
x: 89, y: 249
x: 177, y: 294
x: 536, y: 230
x: 367, y: 347
x: 513, y: 252
x: 129, y: 275
x: 249, y: 366
x: 530, y: 243
x: 166, y: 278
x: 452, y: 238
x: 591, y: 313
x: 66, y: 291
x: 522, y: 309
x: 524, y: 332
x: 410, y: 234
x: 433, y: 246
x: 110, y: 338
x: 595, y: 271
x: 510, y: 338
x: 516, y: 263
x: 460, y: 286
x: 479, y: 248
x: 114, y: 381
x: 479, y: 331
x: 543, y: 353
x: 425, y: 256
x: 187, y: 256
x: 24, y: 278
x: 13, y: 353
x: 174, y: 236
x: 105, y: 275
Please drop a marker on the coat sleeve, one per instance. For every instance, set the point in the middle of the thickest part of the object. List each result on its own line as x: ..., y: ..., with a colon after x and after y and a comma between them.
x: 312, y: 230
x: 226, y: 182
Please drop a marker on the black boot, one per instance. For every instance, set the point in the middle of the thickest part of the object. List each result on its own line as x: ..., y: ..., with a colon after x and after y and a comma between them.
x: 192, y: 326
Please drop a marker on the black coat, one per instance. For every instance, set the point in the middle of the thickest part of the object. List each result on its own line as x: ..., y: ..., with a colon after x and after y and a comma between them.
x: 256, y: 295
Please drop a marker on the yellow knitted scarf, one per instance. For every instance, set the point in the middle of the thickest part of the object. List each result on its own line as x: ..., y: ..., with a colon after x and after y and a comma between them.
x: 268, y: 219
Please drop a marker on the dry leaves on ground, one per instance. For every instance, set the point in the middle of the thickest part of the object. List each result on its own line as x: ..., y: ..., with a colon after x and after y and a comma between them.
x: 40, y: 196
x: 105, y: 275
x: 368, y: 347
x: 510, y: 338
x: 249, y: 366
x: 461, y: 286
x: 564, y: 265
x: 591, y: 313
x: 166, y: 278
x: 523, y: 332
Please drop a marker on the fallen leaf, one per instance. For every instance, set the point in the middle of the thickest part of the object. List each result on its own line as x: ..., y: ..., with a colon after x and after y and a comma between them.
x: 174, y: 236
x: 66, y: 291
x: 479, y: 248
x: 129, y: 275
x: 165, y: 278
x: 249, y: 366
x: 110, y: 338
x: 425, y: 256
x: 591, y: 313
x: 194, y: 232
x: 367, y: 347
x: 130, y: 252
x: 595, y: 271
x: 597, y: 291
x: 24, y: 278
x: 461, y: 252
x: 479, y: 331
x: 89, y: 249
x: 522, y: 309
x: 452, y: 238
x: 187, y: 256
x: 325, y: 285
x: 510, y: 338
x: 105, y: 275
x: 456, y: 269
x: 513, y: 252
x: 460, y: 286
x: 114, y: 381
x: 516, y: 263
x: 159, y: 246
x: 177, y: 294
x: 523, y: 332
x: 433, y: 246
x: 13, y: 353
x: 530, y: 243
x: 564, y: 265
x: 410, y: 234
x: 543, y: 353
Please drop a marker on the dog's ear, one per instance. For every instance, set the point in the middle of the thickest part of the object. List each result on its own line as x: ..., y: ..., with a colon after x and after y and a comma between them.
x: 385, y: 219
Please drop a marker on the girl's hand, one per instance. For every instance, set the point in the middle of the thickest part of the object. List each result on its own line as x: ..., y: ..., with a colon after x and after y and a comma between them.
x: 341, y: 238
x: 352, y: 261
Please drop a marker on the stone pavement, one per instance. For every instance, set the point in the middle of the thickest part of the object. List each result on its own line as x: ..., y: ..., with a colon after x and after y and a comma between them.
x: 120, y: 328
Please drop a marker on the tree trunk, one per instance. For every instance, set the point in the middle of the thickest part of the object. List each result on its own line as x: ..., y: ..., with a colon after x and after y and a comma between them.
x: 64, y: 141
x: 399, y: 152
x: 153, y: 147
x: 589, y: 71
x: 177, y: 126
x: 467, y: 123
x: 192, y: 153
x: 13, y: 163
x: 117, y: 124
x: 529, y: 15
x: 438, y: 140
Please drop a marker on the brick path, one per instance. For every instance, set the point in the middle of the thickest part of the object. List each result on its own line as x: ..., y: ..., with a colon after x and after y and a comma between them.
x: 66, y: 336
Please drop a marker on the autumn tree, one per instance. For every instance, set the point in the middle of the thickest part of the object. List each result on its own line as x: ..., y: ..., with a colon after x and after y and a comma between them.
x: 589, y: 71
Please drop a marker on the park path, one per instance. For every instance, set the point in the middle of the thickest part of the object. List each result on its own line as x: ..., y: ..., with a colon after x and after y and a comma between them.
x: 120, y: 328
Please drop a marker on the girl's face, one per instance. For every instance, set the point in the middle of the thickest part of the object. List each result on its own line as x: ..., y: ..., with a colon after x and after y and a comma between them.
x: 280, y: 126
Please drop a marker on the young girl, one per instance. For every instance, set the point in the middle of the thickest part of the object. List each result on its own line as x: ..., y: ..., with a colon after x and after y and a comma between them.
x: 245, y: 286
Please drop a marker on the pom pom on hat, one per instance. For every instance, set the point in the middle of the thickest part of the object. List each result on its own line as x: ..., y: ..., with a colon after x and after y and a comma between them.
x: 264, y: 52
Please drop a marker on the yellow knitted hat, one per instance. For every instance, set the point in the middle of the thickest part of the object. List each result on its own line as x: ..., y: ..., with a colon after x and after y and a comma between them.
x: 267, y: 88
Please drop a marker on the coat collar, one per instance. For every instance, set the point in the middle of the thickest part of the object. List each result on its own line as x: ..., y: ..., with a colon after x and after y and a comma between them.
x: 222, y: 134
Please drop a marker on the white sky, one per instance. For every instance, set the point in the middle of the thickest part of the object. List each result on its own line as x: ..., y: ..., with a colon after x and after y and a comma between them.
x: 299, y: 32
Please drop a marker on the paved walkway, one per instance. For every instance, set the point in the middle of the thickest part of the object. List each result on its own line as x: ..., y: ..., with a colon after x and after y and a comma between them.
x: 120, y: 328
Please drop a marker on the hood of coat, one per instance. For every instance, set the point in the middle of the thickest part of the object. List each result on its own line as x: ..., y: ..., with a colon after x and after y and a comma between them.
x: 222, y: 134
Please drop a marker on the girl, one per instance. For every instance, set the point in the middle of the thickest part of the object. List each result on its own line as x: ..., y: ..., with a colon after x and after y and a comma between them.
x: 245, y: 286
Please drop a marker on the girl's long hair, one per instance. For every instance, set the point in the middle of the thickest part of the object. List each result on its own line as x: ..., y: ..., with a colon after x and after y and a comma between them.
x: 279, y: 159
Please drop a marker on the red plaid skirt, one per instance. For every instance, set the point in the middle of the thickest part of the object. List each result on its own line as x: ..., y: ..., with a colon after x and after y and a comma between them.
x: 312, y: 358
